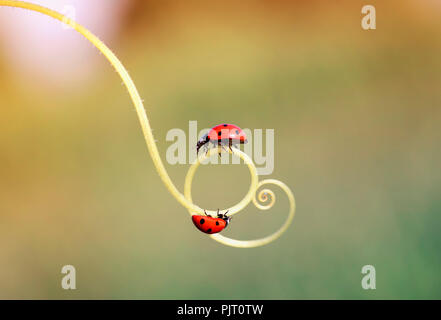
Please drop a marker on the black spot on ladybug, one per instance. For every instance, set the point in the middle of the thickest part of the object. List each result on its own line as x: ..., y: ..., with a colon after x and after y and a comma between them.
x: 219, y: 133
x: 217, y: 223
x: 209, y: 230
x: 225, y: 124
x: 202, y: 221
x: 237, y: 131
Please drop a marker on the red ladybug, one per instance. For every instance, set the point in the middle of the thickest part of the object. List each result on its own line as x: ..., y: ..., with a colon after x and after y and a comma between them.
x: 210, y: 225
x: 223, y: 135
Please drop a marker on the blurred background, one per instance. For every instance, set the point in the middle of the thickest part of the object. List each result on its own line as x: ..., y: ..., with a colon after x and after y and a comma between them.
x: 357, y: 137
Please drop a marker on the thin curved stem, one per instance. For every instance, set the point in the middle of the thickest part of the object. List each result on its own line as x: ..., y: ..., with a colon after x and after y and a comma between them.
x: 264, y: 195
x: 128, y: 82
x: 253, y: 172
x: 185, y: 200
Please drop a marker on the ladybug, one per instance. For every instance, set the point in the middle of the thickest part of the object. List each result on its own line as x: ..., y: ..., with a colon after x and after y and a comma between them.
x: 210, y: 225
x: 222, y: 135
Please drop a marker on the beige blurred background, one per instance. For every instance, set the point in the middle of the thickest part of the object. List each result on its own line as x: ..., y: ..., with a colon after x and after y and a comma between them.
x: 357, y: 127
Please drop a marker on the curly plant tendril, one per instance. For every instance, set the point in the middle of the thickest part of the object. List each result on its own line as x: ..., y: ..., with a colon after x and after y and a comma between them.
x: 250, y: 196
x: 184, y: 199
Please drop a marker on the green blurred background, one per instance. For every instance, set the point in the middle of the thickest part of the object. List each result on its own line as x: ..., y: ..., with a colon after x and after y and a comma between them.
x: 357, y: 127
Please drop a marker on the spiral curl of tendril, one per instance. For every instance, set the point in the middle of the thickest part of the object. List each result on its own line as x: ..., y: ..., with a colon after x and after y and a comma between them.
x: 184, y: 199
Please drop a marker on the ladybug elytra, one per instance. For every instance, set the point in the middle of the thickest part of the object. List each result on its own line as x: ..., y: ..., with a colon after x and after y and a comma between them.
x: 223, y: 135
x: 210, y: 225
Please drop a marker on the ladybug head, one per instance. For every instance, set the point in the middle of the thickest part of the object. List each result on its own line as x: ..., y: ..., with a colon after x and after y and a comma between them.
x: 227, y: 220
x: 224, y: 217
x: 202, y: 141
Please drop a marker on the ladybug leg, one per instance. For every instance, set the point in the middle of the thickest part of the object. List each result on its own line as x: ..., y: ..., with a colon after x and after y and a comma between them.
x: 223, y: 148
x: 220, y: 151
x: 219, y: 144
x: 206, y: 213
x: 207, y: 146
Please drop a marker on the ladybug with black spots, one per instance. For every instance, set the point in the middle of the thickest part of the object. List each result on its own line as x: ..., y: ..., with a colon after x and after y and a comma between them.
x: 222, y: 135
x: 209, y: 224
